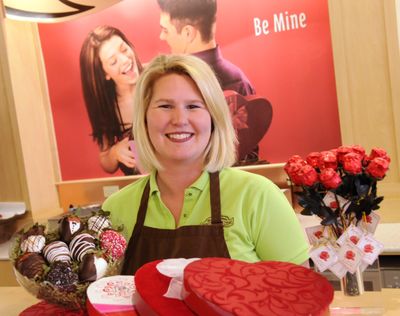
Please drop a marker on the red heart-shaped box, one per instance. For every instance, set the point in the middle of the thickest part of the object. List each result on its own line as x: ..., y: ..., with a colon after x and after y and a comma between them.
x: 151, y: 285
x: 220, y: 286
x: 251, y: 117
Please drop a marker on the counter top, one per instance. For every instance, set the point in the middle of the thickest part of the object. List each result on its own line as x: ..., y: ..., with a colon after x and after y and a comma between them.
x: 14, y: 300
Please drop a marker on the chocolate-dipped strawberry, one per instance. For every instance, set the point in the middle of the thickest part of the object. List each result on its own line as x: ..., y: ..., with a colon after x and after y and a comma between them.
x: 80, y: 245
x: 113, y: 243
x: 33, y: 239
x: 69, y: 226
x: 30, y: 264
x: 57, y: 251
x: 62, y: 276
x: 33, y: 243
x: 98, y: 223
x: 36, y: 229
x: 92, y: 268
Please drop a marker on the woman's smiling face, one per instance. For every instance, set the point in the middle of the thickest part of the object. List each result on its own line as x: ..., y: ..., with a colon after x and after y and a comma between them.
x: 178, y: 121
x: 118, y: 61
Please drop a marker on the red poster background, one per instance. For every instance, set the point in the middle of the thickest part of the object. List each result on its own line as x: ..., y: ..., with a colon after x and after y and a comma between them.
x: 293, y: 69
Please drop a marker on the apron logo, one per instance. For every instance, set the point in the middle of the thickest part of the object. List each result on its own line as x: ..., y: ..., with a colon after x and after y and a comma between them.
x: 226, y: 221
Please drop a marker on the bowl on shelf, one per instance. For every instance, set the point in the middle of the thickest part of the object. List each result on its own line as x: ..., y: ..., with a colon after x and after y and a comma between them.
x: 10, y: 212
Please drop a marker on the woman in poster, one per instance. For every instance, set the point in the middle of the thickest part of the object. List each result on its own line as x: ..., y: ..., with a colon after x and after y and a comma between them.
x: 109, y: 69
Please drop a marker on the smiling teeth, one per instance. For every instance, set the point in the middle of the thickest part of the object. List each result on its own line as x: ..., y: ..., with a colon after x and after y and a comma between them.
x: 127, y: 68
x: 179, y: 136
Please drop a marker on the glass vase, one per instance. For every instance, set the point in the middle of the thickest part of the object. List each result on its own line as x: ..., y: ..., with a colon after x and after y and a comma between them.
x: 352, y: 283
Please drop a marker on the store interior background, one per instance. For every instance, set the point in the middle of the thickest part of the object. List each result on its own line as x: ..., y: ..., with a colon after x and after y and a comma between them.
x: 366, y: 52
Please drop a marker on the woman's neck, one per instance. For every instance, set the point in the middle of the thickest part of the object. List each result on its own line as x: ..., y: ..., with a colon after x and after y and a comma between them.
x: 124, y: 91
x: 125, y: 102
x: 176, y: 180
x: 172, y: 184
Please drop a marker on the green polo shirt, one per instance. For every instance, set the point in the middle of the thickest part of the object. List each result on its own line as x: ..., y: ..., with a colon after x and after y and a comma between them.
x: 259, y: 223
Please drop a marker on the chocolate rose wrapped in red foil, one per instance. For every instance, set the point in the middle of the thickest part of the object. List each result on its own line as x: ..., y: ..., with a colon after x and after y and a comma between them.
x: 352, y: 163
x: 329, y: 178
x: 378, y: 167
x: 293, y: 167
x: 347, y: 174
x: 307, y: 175
x: 327, y: 160
x: 313, y: 159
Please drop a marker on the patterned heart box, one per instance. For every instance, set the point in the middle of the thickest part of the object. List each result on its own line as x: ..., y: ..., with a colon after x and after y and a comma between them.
x: 219, y: 286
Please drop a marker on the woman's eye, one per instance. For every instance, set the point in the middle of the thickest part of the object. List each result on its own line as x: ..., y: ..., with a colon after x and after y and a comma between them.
x: 113, y: 62
x: 193, y: 106
x: 165, y: 106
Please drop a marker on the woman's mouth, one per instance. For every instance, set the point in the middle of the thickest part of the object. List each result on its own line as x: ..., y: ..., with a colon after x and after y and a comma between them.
x: 179, y: 137
x: 127, y: 69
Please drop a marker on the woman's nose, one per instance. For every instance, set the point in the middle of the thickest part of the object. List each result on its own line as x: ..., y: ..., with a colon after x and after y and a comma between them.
x: 123, y: 59
x: 179, y: 116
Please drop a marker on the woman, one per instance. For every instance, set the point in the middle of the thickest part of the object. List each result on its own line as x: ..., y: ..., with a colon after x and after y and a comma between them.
x: 109, y: 71
x: 192, y: 204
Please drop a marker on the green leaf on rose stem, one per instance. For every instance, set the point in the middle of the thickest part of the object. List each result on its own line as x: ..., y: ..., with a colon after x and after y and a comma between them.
x: 378, y: 200
x: 306, y: 212
x: 330, y: 220
x: 325, y: 211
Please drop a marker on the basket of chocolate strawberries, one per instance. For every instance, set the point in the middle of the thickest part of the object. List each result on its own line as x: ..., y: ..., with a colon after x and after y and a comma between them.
x: 58, y: 265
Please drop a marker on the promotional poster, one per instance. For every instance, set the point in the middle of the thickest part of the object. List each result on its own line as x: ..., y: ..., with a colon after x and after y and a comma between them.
x: 283, y: 49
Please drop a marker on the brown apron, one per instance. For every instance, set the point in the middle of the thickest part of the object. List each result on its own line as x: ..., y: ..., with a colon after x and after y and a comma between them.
x: 196, y: 241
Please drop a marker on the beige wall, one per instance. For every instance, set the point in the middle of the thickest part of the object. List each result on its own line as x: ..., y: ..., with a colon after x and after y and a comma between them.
x: 28, y: 162
x: 365, y: 42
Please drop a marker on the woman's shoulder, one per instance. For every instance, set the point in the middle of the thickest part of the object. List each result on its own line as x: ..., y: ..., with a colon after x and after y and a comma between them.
x: 236, y: 175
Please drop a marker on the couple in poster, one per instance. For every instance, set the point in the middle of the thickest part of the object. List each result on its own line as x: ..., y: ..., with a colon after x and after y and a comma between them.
x: 110, y: 66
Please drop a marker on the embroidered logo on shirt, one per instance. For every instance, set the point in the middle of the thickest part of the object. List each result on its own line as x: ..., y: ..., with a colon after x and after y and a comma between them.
x: 226, y: 221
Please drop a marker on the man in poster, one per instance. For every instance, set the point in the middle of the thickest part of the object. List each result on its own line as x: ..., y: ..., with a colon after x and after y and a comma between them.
x: 188, y: 26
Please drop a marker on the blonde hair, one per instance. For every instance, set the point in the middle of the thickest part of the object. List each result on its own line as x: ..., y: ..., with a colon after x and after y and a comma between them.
x: 221, y: 149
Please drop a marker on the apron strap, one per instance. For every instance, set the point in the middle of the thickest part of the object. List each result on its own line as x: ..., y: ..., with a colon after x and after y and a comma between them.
x: 215, y: 198
x: 137, y: 230
x: 142, y: 209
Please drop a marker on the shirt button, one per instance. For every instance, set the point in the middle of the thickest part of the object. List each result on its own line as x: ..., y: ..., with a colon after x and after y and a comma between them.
x: 184, y: 215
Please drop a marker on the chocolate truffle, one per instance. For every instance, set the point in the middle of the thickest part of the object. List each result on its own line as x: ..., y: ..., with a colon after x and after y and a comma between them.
x: 30, y: 264
x: 98, y: 223
x: 113, y: 244
x: 80, y: 245
x: 62, y: 276
x: 92, y: 268
x: 33, y: 243
x: 70, y: 225
x: 57, y: 251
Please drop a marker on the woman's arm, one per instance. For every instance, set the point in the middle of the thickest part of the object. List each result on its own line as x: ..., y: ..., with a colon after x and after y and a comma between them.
x: 279, y: 235
x: 120, y: 152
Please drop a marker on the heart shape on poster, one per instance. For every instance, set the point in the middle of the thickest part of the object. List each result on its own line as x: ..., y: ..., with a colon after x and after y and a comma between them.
x: 219, y: 286
x: 251, y: 116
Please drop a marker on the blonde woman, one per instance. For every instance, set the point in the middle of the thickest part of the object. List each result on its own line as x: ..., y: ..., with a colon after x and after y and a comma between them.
x: 192, y: 204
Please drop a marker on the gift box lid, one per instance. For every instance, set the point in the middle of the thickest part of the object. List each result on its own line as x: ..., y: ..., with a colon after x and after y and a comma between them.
x: 111, y: 295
